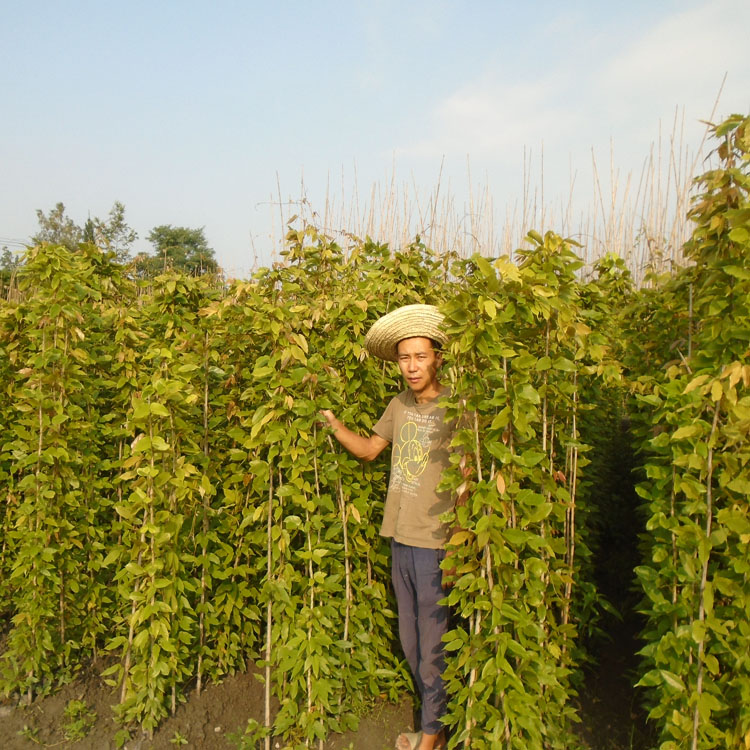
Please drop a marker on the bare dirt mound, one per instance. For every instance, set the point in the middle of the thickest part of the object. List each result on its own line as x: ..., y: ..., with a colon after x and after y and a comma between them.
x: 205, y: 722
x: 610, y: 716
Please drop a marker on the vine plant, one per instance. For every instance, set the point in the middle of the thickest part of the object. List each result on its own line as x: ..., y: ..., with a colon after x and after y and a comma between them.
x: 694, y: 414
x: 521, y: 348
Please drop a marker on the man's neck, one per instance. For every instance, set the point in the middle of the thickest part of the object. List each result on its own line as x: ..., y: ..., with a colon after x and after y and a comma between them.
x: 428, y: 394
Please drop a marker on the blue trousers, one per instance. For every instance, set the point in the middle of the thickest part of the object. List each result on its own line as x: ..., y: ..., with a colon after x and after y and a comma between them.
x: 422, y: 622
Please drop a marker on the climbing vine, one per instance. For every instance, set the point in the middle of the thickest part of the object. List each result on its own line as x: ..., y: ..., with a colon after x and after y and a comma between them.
x: 173, y: 510
x: 693, y: 415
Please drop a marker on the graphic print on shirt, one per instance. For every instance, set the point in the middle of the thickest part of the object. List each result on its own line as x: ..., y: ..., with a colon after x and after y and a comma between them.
x: 411, y: 452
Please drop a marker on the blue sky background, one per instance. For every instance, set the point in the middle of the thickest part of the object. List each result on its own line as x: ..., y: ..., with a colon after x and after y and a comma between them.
x: 201, y: 114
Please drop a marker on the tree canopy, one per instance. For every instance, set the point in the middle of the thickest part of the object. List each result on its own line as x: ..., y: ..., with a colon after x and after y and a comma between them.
x: 178, y: 248
x: 56, y: 228
x: 112, y: 233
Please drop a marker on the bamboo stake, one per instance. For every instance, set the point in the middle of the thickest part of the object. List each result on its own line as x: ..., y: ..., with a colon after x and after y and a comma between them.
x: 704, y: 572
x: 310, y: 574
x: 347, y: 563
x: 470, y: 723
x: 570, y: 515
x: 269, y: 609
x: 202, y: 616
x: 672, y: 514
x: 131, y: 629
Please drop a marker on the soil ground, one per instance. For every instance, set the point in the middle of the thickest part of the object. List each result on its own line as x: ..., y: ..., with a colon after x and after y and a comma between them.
x: 610, y: 717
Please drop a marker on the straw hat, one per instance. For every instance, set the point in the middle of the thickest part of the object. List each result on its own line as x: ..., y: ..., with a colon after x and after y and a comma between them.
x: 403, y: 323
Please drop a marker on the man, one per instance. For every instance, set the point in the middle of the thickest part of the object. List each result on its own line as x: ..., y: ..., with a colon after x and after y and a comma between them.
x: 414, y: 424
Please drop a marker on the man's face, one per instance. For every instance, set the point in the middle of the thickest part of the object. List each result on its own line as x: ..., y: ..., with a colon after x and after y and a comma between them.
x: 419, y: 364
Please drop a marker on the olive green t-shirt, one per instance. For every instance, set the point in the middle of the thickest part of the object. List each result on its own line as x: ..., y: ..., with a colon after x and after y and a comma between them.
x: 420, y: 438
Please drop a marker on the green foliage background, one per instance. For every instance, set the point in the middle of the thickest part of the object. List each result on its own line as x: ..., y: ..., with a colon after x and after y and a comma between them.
x: 173, y: 510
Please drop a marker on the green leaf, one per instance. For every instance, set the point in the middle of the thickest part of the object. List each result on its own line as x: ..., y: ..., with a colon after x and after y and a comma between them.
x: 159, y: 443
x: 564, y: 364
x: 741, y: 235
x: 159, y: 409
x: 687, y: 431
x: 672, y: 679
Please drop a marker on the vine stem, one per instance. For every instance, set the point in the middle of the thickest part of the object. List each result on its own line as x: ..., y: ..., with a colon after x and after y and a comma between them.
x: 37, y: 472
x: 509, y: 428
x: 672, y: 514
x: 311, y: 579
x: 477, y: 617
x: 704, y: 572
x: 202, y: 624
x: 62, y: 563
x: 570, y: 515
x: 347, y: 565
x: 269, y: 609
x: 131, y: 629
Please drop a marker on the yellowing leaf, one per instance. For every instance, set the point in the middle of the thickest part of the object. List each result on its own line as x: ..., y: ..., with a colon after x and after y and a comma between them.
x: 716, y: 391
x: 500, y: 483
x: 460, y: 537
x: 301, y: 341
x: 695, y: 383
x: 687, y: 431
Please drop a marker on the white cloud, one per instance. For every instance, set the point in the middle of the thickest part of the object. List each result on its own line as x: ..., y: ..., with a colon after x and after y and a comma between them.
x: 682, y: 62
x: 593, y: 89
x: 491, y: 119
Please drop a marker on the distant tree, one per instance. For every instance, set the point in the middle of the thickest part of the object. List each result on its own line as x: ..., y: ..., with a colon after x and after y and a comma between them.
x: 57, y: 228
x: 112, y: 233
x: 180, y: 249
x: 9, y: 264
x: 88, y: 232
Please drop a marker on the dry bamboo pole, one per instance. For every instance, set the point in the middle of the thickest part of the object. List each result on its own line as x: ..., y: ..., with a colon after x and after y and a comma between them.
x: 347, y: 560
x: 38, y: 490
x: 269, y: 610
x: 570, y: 531
x: 476, y: 617
x: 435, y: 199
x: 310, y: 576
x: 61, y: 568
x: 642, y: 220
x: 201, y: 618
x: 310, y: 569
x: 704, y: 571
x: 131, y: 627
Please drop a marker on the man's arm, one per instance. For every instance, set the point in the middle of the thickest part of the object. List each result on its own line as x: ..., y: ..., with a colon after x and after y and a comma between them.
x: 365, y: 448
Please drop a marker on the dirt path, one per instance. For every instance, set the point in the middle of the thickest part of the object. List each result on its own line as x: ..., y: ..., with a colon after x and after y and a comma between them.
x: 610, y: 720
x: 205, y: 723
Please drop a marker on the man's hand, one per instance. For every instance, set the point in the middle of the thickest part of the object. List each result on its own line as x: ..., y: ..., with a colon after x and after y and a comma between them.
x: 365, y: 448
x: 328, y: 415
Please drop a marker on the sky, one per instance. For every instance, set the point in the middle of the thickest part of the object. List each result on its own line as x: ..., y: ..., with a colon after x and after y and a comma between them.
x: 233, y: 116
